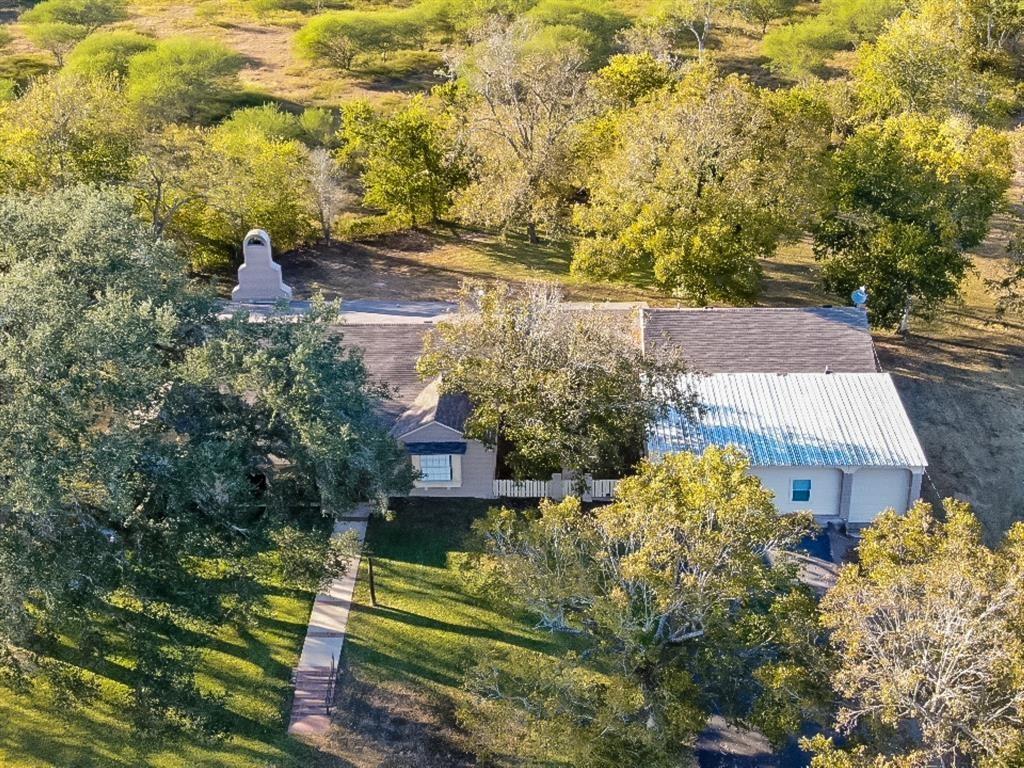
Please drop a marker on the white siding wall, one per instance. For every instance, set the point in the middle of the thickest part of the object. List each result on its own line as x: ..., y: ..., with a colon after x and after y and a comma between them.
x: 877, y: 489
x: 477, y: 464
x: 826, y: 485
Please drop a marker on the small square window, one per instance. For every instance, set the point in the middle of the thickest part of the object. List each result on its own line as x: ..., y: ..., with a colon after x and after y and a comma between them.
x: 801, y: 490
x: 436, y: 469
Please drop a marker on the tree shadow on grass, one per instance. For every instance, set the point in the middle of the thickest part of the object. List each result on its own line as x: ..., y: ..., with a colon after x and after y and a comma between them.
x: 394, y: 724
x: 463, y: 630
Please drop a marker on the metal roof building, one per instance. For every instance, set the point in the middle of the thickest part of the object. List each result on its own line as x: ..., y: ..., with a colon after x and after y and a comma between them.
x: 796, y: 419
x: 846, y: 435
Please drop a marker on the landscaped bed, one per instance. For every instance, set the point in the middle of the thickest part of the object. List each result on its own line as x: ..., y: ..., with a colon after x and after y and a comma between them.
x: 406, y: 658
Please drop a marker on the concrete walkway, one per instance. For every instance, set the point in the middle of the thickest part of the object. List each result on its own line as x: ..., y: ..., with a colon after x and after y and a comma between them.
x: 325, y: 635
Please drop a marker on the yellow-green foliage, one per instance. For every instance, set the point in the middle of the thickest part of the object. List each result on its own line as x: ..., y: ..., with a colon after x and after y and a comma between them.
x: 929, y: 614
x: 929, y: 60
x: 107, y: 53
x: 65, y: 130
x: 183, y: 79
x: 804, y: 47
x: 337, y: 39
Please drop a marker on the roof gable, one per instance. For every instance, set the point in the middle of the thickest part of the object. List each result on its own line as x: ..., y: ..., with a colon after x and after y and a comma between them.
x: 432, y: 406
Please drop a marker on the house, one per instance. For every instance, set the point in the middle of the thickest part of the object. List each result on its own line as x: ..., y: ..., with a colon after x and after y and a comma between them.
x: 797, y: 389
x: 800, y: 391
x: 837, y: 444
x: 428, y: 422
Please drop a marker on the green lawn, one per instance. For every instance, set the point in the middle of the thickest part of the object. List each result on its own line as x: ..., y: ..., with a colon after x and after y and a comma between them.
x: 407, y: 657
x: 250, y: 665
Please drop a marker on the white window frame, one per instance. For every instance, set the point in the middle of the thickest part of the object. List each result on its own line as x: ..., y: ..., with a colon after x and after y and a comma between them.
x: 793, y: 491
x: 436, y: 468
x: 454, y: 479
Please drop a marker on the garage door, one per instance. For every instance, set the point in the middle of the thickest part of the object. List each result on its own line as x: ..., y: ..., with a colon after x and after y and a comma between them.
x: 875, y: 490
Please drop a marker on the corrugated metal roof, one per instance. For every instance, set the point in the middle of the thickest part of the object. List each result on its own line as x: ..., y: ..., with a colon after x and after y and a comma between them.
x: 765, y: 339
x: 796, y: 419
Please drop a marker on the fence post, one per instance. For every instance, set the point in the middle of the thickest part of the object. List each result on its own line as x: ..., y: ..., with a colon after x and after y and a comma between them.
x: 588, y: 489
x: 557, y: 487
x: 329, y: 696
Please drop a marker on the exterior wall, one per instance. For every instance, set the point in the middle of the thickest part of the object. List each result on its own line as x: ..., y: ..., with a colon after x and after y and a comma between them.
x: 876, y: 489
x: 477, y: 465
x: 826, y: 488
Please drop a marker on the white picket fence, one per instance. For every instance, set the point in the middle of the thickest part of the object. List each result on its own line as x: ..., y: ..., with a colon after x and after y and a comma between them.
x: 525, y: 489
x: 603, y: 489
x: 555, y: 488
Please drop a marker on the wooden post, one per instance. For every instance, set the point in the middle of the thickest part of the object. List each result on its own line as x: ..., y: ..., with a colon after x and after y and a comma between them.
x: 373, y: 587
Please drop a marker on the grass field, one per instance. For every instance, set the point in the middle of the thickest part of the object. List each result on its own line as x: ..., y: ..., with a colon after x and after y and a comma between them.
x: 249, y: 665
x: 406, y: 658
x: 273, y: 70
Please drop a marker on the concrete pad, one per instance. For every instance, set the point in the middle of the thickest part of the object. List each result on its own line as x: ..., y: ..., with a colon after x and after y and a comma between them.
x: 309, y: 725
x: 317, y: 652
x: 329, y: 618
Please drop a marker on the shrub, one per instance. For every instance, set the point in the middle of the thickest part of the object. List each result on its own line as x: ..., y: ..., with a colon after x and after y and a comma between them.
x: 802, y: 49
x: 183, y: 78
x: 337, y: 38
x: 108, y: 53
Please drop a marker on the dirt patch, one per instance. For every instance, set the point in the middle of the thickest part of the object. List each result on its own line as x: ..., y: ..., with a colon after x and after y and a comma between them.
x: 369, y: 270
x: 431, y: 266
x: 393, y: 726
x: 965, y: 396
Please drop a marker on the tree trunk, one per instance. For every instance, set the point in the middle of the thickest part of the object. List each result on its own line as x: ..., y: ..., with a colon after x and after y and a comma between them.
x: 905, y: 319
x: 531, y: 233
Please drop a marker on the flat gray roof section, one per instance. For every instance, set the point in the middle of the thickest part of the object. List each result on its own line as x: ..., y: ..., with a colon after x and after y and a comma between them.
x: 765, y: 339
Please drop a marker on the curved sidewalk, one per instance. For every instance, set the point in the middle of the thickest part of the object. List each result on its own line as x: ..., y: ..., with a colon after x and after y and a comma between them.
x: 325, y: 636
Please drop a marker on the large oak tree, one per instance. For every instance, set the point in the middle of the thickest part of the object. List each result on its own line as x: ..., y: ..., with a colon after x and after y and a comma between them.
x: 927, y: 630
x: 140, y: 435
x: 679, y: 601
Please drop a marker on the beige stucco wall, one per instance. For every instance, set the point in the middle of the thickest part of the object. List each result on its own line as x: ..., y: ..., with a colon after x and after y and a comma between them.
x: 477, y: 464
x: 826, y: 485
x: 877, y: 489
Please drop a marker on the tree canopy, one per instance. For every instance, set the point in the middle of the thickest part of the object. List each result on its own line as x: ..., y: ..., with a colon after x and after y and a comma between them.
x: 183, y: 78
x: 700, y: 182
x: 680, y: 601
x: 566, y: 389
x: 57, y: 25
x: 138, y: 434
x: 107, y: 54
x: 522, y: 107
x: 930, y: 646
x: 907, y: 198
x: 409, y: 162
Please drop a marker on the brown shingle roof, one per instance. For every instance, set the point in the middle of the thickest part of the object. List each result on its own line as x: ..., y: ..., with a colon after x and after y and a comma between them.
x: 765, y: 339
x: 390, y: 352
x: 434, y: 407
